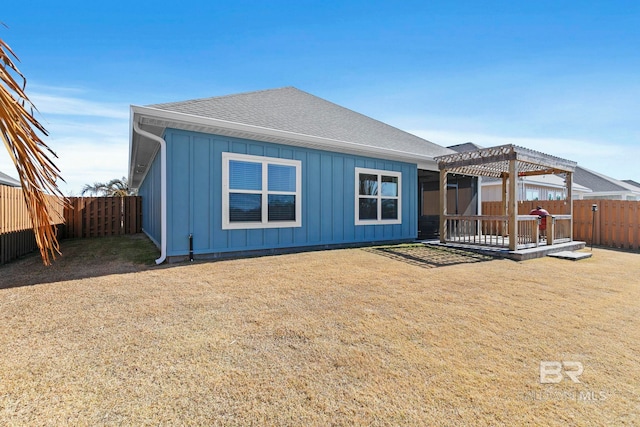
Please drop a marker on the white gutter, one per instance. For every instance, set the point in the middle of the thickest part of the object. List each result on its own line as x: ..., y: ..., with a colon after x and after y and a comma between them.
x: 163, y: 188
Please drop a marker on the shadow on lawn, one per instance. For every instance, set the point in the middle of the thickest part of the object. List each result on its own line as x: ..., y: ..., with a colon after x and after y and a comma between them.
x: 81, y: 259
x: 102, y: 256
x: 429, y: 256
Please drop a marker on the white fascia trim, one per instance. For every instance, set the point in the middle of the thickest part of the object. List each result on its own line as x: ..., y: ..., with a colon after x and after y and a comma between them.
x: 163, y: 188
x: 294, y: 138
x: 614, y: 193
x: 131, y: 133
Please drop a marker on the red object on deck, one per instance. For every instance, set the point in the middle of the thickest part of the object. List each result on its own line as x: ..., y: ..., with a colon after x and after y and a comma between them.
x: 543, y: 214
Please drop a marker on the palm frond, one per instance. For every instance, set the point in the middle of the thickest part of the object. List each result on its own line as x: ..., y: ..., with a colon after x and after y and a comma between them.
x: 31, y: 156
x: 115, y: 188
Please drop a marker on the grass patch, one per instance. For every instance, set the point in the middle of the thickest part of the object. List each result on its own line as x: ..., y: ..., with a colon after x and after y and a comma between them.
x: 83, y: 258
x: 342, y: 337
x: 136, y: 249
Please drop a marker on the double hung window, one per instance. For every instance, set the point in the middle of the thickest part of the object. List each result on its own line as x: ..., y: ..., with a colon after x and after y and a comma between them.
x: 260, y: 192
x: 378, y: 197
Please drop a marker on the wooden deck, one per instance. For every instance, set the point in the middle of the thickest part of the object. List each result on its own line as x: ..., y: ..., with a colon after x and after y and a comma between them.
x: 519, y: 255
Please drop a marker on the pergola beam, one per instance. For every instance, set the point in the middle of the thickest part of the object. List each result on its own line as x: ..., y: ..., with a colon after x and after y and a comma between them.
x: 548, y: 171
x: 494, y: 160
x: 489, y: 159
x: 537, y: 158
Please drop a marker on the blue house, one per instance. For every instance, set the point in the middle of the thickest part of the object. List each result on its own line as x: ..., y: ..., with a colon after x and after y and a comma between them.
x: 274, y: 171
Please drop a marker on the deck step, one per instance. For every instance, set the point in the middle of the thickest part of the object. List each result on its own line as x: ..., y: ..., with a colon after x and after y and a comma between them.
x: 572, y: 255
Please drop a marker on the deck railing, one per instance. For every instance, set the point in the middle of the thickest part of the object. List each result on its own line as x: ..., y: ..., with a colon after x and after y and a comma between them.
x: 560, y: 228
x: 484, y: 230
x: 528, y: 231
x: 492, y: 230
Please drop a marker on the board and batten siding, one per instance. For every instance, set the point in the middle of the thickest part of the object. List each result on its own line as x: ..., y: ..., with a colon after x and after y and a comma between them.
x: 194, y: 187
x: 151, y: 201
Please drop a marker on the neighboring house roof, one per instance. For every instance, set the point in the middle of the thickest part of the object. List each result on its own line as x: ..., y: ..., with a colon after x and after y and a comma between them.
x: 598, y: 182
x: 585, y: 181
x: 7, y: 180
x: 632, y: 182
x: 467, y: 146
x: 552, y: 181
x: 287, y: 116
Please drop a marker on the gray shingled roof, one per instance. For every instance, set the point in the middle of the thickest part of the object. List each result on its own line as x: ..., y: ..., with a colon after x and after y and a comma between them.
x: 292, y: 110
x: 7, y: 180
x: 598, y: 182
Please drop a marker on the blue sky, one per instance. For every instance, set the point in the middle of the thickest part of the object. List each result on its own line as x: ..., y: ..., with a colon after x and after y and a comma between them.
x: 557, y: 76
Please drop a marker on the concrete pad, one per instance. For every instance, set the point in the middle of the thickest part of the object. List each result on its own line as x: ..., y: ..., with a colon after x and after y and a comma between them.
x: 574, y: 256
x: 519, y: 255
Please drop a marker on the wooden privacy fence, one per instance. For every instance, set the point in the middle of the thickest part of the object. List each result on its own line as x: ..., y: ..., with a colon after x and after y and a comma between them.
x: 616, y: 223
x: 83, y: 217
x: 16, y: 230
x: 102, y: 216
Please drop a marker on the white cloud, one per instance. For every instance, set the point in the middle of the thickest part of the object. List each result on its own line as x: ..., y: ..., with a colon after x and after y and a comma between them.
x: 83, y: 162
x: 49, y: 104
x: 90, y: 137
x: 614, y: 160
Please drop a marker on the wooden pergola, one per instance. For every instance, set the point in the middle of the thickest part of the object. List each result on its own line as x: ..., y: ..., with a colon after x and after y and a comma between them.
x: 508, y: 162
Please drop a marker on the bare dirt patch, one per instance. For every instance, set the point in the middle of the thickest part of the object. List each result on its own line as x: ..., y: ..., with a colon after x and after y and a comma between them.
x: 338, y: 337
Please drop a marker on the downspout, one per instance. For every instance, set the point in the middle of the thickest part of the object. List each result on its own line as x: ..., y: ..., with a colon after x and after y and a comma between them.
x: 163, y: 189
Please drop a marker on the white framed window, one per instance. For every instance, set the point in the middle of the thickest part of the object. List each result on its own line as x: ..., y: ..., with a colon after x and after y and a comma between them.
x: 532, y: 194
x: 378, y: 197
x: 260, y: 192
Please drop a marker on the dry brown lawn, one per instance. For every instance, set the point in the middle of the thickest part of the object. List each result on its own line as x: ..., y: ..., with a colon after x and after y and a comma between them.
x: 342, y: 337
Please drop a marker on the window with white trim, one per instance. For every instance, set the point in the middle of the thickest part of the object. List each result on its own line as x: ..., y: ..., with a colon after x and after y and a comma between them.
x: 378, y: 197
x: 260, y: 192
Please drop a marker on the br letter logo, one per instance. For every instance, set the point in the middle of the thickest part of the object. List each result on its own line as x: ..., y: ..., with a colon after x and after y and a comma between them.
x: 551, y: 372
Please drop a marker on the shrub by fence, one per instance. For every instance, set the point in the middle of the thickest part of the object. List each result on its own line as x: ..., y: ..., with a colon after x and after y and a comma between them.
x: 617, y: 222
